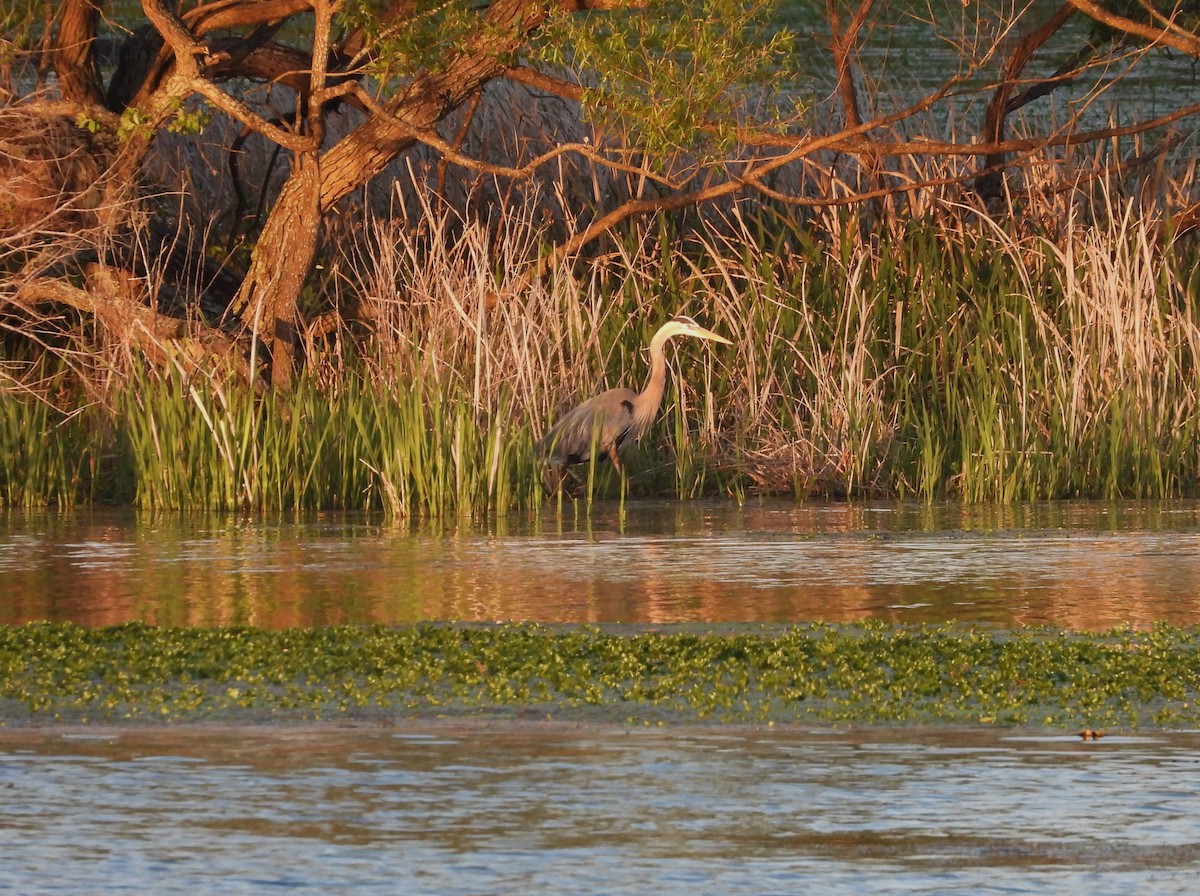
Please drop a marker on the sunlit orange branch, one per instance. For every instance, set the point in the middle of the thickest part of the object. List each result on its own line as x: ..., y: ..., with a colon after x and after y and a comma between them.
x: 1169, y: 35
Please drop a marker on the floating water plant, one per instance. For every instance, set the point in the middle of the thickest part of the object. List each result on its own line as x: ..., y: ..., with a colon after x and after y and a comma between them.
x: 841, y: 674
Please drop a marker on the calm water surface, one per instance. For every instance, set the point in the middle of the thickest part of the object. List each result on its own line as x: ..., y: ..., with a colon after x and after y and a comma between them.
x: 547, y: 808
x: 1081, y: 565
x: 499, y: 811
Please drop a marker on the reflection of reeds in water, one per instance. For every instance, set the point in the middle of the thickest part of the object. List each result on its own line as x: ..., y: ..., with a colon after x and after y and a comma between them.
x: 1080, y: 566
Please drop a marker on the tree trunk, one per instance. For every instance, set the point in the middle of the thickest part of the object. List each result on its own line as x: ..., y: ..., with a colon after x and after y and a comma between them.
x: 74, y: 54
x: 269, y: 297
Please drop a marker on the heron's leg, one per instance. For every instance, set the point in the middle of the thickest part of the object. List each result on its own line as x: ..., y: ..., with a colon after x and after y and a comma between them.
x: 553, y: 476
x: 615, y: 457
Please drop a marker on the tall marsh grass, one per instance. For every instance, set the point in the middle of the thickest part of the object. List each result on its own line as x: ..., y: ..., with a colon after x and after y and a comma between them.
x: 986, y: 366
x: 414, y: 454
x: 967, y: 355
x: 47, y: 456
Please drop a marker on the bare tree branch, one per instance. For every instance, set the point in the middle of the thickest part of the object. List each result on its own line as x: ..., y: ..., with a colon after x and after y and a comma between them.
x: 842, y: 43
x: 1000, y: 106
x: 191, y: 57
x: 1169, y: 35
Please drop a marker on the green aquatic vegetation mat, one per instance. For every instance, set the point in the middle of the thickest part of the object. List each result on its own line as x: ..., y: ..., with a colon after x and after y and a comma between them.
x: 839, y: 674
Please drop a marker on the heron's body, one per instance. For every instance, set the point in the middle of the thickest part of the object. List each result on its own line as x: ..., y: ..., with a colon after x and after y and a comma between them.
x: 611, y: 420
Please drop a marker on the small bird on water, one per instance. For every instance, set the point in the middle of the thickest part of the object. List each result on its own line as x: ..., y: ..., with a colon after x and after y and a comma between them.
x: 613, y: 419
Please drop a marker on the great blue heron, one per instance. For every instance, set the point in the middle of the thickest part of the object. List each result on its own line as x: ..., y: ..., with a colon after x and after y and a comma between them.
x: 617, y: 417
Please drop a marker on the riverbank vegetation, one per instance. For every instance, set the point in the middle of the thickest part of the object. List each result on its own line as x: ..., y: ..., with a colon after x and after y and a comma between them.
x: 1041, y: 369
x: 958, y: 293
x: 855, y: 674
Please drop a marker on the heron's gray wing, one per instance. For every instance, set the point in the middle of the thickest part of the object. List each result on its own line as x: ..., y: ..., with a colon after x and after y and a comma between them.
x: 603, y: 420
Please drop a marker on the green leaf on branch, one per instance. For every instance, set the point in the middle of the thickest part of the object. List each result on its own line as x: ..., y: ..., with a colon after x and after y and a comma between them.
x: 678, y: 76
x: 133, y: 121
x: 430, y: 34
x: 189, y: 121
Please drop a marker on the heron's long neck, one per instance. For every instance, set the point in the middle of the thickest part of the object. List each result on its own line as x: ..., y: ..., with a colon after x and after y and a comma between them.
x: 647, y: 403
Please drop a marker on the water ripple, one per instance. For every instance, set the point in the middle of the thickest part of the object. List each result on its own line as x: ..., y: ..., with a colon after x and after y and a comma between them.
x: 556, y: 810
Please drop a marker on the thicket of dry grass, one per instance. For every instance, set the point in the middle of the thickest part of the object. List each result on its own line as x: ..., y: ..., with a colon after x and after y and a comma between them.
x: 924, y: 345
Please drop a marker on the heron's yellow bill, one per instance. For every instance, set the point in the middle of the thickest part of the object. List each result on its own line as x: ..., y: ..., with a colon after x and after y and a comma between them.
x: 682, y: 325
x: 702, y: 333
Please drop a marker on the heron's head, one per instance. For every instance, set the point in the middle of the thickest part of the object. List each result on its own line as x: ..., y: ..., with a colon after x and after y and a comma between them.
x: 681, y: 325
